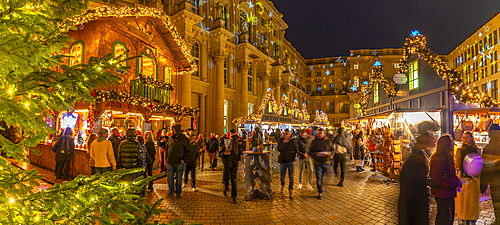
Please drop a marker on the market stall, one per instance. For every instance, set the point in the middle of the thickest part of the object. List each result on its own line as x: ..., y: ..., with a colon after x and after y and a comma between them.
x: 476, y: 121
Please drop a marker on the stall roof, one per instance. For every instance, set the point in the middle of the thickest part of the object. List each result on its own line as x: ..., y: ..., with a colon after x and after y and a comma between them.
x: 493, y: 110
x: 384, y: 115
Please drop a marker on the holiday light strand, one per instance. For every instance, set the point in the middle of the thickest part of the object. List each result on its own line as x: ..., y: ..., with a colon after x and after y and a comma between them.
x: 376, y: 76
x: 119, y: 12
x: 155, y: 83
x: 115, y: 96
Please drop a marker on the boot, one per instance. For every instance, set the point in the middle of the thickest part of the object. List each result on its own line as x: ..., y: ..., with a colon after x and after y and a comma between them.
x: 340, y: 184
x: 282, y: 188
x: 290, y: 194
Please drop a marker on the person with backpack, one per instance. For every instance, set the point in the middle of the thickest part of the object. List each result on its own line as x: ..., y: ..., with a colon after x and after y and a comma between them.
x: 213, y: 144
x: 288, y: 148
x: 190, y: 160
x: 230, y: 157
x: 64, y: 149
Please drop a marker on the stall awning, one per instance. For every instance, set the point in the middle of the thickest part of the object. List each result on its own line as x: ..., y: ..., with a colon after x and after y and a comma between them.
x: 382, y: 115
x: 493, y: 110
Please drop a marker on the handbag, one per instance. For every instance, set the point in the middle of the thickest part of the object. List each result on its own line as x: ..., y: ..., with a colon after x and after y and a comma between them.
x: 459, y: 134
x: 358, y: 162
x: 467, y: 125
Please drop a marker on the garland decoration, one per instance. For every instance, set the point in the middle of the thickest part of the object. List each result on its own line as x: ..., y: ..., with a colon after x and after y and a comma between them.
x: 457, y: 87
x: 118, y: 12
x: 270, y: 101
x: 376, y: 76
x: 155, y: 83
x: 115, y: 96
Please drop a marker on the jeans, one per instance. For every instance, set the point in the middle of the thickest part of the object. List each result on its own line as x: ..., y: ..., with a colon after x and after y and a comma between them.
x: 101, y: 170
x: 340, y: 158
x: 445, y: 211
x: 61, y: 165
x: 283, y: 168
x: 201, y: 159
x: 373, y: 159
x: 466, y: 222
x: 163, y: 163
x: 230, y: 174
x: 177, y: 169
x: 320, y: 170
x: 310, y: 169
x: 192, y: 169
x: 148, y: 173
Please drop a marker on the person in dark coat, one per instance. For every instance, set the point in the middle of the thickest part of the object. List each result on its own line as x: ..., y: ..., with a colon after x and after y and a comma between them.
x: 115, y: 142
x: 190, y: 160
x: 162, y: 143
x: 176, y: 152
x: 201, y: 152
x: 321, y: 151
x: 151, y: 153
x: 491, y: 169
x: 130, y: 152
x: 64, y: 149
x: 288, y: 149
x: 230, y: 157
x: 413, y: 203
x: 212, y: 145
x: 359, y: 151
x: 342, y: 150
x: 442, y: 173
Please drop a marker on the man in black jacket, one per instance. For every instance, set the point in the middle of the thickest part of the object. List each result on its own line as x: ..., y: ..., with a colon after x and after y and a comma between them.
x: 342, y: 149
x: 176, y: 152
x: 130, y: 153
x: 213, y: 145
x: 115, y: 141
x: 304, y: 159
x: 288, y: 148
x: 321, y: 151
x: 191, y: 158
x: 230, y: 156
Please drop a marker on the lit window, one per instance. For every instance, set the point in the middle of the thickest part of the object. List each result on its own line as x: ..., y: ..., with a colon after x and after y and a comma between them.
x: 195, y: 52
x: 414, y: 75
x: 120, y: 52
x: 396, y: 65
x: 148, y: 66
x: 243, y: 20
x: 356, y: 82
x: 76, y: 52
x: 356, y: 66
x: 270, y: 107
x: 375, y: 93
x: 167, y: 74
x: 250, y: 108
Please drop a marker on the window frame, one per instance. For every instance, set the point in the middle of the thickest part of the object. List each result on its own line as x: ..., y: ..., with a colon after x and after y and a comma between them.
x: 376, y: 94
x: 196, y: 58
x: 126, y: 50
x: 140, y: 65
x: 164, y: 74
x: 83, y: 52
x: 413, y: 75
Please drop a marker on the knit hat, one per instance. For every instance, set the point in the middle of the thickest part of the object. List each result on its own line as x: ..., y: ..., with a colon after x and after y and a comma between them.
x: 308, y: 131
x: 233, y: 131
x: 103, y: 132
x: 493, y: 126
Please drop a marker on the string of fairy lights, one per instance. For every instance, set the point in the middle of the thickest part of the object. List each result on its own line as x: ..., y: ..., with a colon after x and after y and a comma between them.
x: 116, y: 96
x: 417, y: 43
x: 276, y: 109
x: 155, y: 83
x: 124, y: 11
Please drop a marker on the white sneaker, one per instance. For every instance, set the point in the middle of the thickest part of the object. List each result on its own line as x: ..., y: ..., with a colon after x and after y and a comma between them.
x: 309, y: 187
x: 300, y: 187
x: 193, y: 189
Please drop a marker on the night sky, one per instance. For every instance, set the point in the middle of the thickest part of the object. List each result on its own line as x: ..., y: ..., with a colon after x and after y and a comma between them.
x: 328, y: 28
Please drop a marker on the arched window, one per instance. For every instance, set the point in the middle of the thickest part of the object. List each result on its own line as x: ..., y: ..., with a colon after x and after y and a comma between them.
x: 243, y: 19
x: 167, y: 74
x: 76, y: 51
x: 120, y: 51
x: 147, y: 66
x: 195, y: 52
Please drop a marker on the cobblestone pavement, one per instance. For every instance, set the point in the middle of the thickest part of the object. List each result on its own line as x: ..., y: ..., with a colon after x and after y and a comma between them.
x: 366, y: 198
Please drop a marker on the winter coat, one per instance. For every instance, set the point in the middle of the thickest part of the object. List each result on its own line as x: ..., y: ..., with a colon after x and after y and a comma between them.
x: 150, y: 147
x: 177, y: 150
x: 129, y: 152
x: 64, y: 147
x: 213, y: 145
x: 202, y: 144
x: 413, y: 204
x: 115, y: 141
x: 163, y: 143
x: 321, y: 145
x: 304, y: 145
x: 491, y: 169
x: 102, y: 153
x: 359, y: 150
x: 287, y: 150
x: 231, y: 160
x: 443, y: 174
x: 144, y: 155
x: 467, y: 201
x: 192, y: 155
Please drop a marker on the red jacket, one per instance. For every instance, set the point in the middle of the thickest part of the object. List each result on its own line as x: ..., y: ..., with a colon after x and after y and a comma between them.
x: 443, y: 174
x: 371, y: 147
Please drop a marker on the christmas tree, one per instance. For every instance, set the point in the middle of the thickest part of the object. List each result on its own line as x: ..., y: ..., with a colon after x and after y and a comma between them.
x: 34, y: 82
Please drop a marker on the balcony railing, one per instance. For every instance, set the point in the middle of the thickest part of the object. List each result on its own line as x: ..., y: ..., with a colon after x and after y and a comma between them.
x: 150, y: 92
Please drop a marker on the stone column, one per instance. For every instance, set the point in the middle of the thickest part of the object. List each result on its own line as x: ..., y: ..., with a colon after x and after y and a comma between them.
x: 202, y: 123
x: 219, y: 57
x: 185, y: 90
x: 277, y: 92
x: 265, y: 83
x: 243, y: 70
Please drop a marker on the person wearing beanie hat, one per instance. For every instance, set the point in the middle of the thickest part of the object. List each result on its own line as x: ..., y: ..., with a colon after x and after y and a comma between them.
x: 190, y: 160
x: 101, y: 151
x: 491, y: 169
x: 230, y: 156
